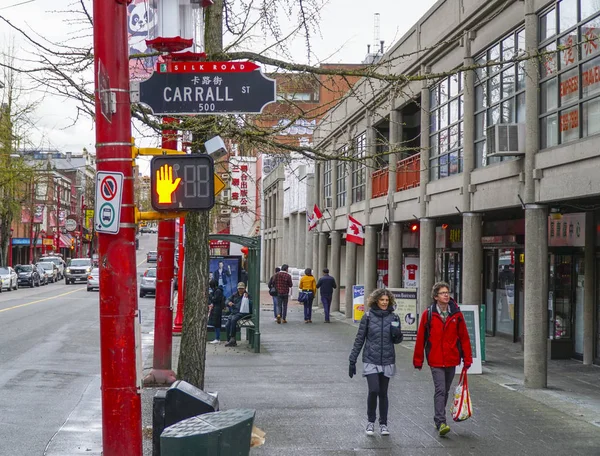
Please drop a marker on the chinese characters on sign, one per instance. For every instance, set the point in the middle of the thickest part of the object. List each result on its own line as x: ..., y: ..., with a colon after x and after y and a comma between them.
x: 239, y: 188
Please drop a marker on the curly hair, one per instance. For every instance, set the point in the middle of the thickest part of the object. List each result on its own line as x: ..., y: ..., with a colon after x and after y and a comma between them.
x: 437, y: 287
x: 377, y: 294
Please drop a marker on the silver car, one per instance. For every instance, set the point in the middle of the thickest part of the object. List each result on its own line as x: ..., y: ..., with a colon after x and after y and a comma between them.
x: 93, y: 280
x: 8, y: 279
x: 148, y: 283
x: 51, y: 269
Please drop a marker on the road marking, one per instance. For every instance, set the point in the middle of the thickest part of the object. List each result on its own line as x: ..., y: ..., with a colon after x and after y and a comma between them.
x: 141, y: 262
x: 40, y: 300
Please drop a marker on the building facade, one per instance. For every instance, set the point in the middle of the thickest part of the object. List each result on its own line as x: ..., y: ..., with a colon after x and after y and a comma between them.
x: 482, y: 166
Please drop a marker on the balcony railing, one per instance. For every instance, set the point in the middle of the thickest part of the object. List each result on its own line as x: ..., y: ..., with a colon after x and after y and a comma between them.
x: 380, y: 182
x: 408, y: 173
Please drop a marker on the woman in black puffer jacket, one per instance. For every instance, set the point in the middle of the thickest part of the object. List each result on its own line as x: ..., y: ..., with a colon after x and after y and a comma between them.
x: 379, y: 330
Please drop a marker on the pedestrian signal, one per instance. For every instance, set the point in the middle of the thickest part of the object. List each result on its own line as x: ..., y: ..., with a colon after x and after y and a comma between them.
x: 414, y: 227
x: 72, y: 244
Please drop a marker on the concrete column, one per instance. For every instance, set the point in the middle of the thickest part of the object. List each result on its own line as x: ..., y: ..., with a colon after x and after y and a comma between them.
x: 315, y: 254
x: 335, y: 270
x: 424, y: 178
x: 370, y: 264
x: 308, y: 252
x: 322, y: 257
x: 293, y: 240
x: 350, y: 276
x: 396, y: 129
x: 349, y: 171
x: 264, y: 256
x: 468, y: 136
x: 426, y: 261
x: 536, y: 296
x: 369, y: 167
x: 472, y: 266
x: 286, y: 250
x: 301, y: 228
x: 395, y: 256
x: 589, y: 280
x: 273, y: 256
x: 279, y: 224
x: 334, y: 175
x: 531, y: 102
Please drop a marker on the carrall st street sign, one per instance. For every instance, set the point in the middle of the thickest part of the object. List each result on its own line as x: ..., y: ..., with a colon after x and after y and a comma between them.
x: 205, y: 88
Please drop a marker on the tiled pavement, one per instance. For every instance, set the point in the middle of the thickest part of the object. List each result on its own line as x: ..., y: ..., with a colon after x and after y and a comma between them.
x: 307, y: 404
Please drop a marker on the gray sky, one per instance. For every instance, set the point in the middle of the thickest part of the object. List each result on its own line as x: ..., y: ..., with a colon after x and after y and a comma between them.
x: 346, y: 29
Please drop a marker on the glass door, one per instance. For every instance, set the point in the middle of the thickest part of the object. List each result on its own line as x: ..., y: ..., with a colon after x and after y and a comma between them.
x: 505, y: 292
x: 561, y: 289
x: 578, y: 282
x: 489, y: 298
x: 451, y: 274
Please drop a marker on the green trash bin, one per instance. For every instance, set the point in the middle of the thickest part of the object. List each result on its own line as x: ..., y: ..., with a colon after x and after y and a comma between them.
x: 225, y: 433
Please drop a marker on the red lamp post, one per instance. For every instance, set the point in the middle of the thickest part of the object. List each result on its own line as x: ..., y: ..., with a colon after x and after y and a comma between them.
x: 10, y: 247
x: 43, y: 236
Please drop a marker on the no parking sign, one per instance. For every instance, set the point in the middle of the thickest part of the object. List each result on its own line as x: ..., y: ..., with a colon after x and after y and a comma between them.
x: 109, y: 188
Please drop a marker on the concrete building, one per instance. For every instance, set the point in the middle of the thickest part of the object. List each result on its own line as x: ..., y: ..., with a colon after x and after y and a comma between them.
x: 486, y: 175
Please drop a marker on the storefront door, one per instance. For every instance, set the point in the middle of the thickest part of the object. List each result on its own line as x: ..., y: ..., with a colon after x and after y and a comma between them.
x: 489, y: 286
x: 451, y: 273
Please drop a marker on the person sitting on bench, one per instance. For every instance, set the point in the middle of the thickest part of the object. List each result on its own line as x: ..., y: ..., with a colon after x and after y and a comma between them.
x: 239, y: 306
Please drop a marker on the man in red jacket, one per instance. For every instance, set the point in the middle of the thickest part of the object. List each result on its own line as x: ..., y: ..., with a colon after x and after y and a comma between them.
x: 444, y: 338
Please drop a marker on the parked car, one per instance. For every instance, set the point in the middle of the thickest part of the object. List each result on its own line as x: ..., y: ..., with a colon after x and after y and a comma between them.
x: 152, y: 256
x: 51, y: 269
x: 145, y: 229
x: 148, y: 284
x: 28, y: 275
x: 44, y: 278
x: 153, y: 229
x: 78, y: 269
x: 93, y: 280
x: 8, y: 279
x: 58, y: 261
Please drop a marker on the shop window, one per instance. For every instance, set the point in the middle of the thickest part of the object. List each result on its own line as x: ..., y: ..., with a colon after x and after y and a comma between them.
x: 548, y: 25
x: 590, y: 78
x: 327, y: 166
x: 567, y: 10
x: 549, y: 96
x: 588, y: 7
x: 549, y: 136
x: 591, y: 117
x: 341, y: 178
x: 359, y: 169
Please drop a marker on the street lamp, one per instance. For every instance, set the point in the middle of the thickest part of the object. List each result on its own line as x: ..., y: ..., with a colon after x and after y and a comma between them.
x: 43, y: 236
x: 10, y: 247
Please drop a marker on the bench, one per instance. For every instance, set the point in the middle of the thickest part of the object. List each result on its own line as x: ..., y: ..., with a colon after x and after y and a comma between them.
x: 211, y: 329
x: 247, y: 322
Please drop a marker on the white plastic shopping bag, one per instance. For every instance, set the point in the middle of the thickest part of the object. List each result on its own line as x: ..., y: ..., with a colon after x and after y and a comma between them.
x: 245, y: 305
x: 461, y: 408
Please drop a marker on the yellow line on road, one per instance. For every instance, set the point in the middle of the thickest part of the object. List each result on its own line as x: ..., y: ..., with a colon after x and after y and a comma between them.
x: 40, y: 300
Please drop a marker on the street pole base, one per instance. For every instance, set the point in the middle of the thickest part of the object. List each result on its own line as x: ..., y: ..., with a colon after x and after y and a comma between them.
x: 177, y: 329
x: 159, y: 377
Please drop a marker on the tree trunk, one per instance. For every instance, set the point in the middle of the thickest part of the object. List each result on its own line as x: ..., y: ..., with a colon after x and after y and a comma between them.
x: 5, y: 223
x: 192, y: 355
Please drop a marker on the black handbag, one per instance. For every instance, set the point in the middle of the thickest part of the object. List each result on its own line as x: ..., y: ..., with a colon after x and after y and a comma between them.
x: 273, y: 291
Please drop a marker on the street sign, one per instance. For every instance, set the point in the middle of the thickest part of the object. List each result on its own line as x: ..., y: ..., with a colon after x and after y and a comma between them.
x: 207, y: 93
x: 219, y: 184
x: 70, y: 224
x: 107, y: 215
x: 104, y: 92
x: 182, y: 182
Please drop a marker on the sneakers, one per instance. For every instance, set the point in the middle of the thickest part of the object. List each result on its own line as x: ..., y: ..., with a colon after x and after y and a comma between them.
x: 231, y: 343
x: 285, y: 321
x: 443, y: 429
x: 370, y: 428
x: 214, y: 342
x: 383, y: 429
x: 278, y: 319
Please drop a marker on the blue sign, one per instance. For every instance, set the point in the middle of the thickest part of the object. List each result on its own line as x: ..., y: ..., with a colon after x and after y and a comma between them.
x: 24, y: 241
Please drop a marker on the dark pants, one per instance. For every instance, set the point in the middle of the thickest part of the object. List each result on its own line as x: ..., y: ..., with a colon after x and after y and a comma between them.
x: 282, y: 302
x: 231, y: 325
x: 308, y: 309
x: 378, y: 388
x: 274, y: 306
x: 326, y: 301
x: 442, y: 381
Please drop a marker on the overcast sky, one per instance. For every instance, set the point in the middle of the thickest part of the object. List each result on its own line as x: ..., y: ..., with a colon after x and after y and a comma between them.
x: 346, y: 27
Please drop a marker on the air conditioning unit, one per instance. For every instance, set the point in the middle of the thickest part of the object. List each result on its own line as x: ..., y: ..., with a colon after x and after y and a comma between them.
x: 505, y: 140
x: 329, y: 201
x: 225, y: 211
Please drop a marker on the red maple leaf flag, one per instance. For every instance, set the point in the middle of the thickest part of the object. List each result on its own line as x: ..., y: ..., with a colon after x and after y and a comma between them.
x: 355, y: 233
x: 317, y: 213
x: 312, y: 222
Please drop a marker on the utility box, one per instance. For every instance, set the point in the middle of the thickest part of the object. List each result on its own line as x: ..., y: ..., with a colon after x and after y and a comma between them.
x: 182, y: 400
x: 214, y: 434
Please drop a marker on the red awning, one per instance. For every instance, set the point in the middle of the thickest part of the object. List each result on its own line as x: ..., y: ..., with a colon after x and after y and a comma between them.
x: 65, y: 241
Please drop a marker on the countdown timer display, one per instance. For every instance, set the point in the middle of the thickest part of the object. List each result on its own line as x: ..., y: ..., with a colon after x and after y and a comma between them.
x: 182, y: 182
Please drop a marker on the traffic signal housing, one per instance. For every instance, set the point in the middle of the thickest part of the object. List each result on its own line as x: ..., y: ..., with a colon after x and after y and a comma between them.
x: 413, y: 227
x: 72, y: 244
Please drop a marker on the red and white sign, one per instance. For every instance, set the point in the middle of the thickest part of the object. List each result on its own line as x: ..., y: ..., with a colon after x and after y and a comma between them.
x: 354, y: 232
x: 206, y: 67
x: 108, y: 188
x: 411, y: 272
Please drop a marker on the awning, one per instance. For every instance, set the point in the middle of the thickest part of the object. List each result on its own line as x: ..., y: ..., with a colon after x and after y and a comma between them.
x: 65, y: 241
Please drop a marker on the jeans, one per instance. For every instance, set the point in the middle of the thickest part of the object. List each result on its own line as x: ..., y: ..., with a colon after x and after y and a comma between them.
x: 274, y: 306
x: 308, y: 309
x: 442, y: 380
x: 378, y: 388
x: 326, y: 301
x: 231, y: 325
x: 282, y: 303
x: 217, y: 333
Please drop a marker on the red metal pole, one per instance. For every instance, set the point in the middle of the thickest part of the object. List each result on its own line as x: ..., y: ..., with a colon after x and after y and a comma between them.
x: 178, y: 325
x: 161, y: 372
x: 10, y: 248
x: 121, y: 401
x: 32, y: 210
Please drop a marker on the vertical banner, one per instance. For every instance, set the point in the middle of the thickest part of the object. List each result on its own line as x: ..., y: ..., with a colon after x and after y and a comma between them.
x: 25, y: 215
x: 471, y: 314
x: 411, y: 272
x: 142, y: 25
x: 406, y: 309
x: 38, y: 216
x: 358, y: 302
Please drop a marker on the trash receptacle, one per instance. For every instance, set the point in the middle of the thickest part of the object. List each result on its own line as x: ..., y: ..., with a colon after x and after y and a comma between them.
x: 225, y: 433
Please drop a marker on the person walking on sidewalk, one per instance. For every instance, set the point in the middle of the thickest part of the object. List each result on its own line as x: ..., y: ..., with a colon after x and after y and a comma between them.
x: 216, y: 306
x: 236, y: 306
x: 378, y: 331
x: 283, y: 283
x: 308, y: 285
x: 326, y: 285
x: 443, y: 336
x: 270, y: 285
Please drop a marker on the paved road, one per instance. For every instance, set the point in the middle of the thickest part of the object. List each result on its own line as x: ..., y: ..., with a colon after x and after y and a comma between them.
x: 308, y: 406
x: 50, y: 382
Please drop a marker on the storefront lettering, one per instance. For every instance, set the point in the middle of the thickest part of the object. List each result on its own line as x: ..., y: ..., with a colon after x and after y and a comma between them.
x: 591, y: 76
x: 569, y: 120
x: 590, y: 44
x: 455, y: 235
x: 569, y: 86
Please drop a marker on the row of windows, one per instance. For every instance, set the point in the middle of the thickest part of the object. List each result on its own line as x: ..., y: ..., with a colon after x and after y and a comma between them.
x: 359, y: 168
x: 341, y: 178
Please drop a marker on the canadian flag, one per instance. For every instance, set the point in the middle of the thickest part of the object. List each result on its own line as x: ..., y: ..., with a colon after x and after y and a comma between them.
x: 312, y: 222
x: 355, y: 233
x: 317, y: 213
